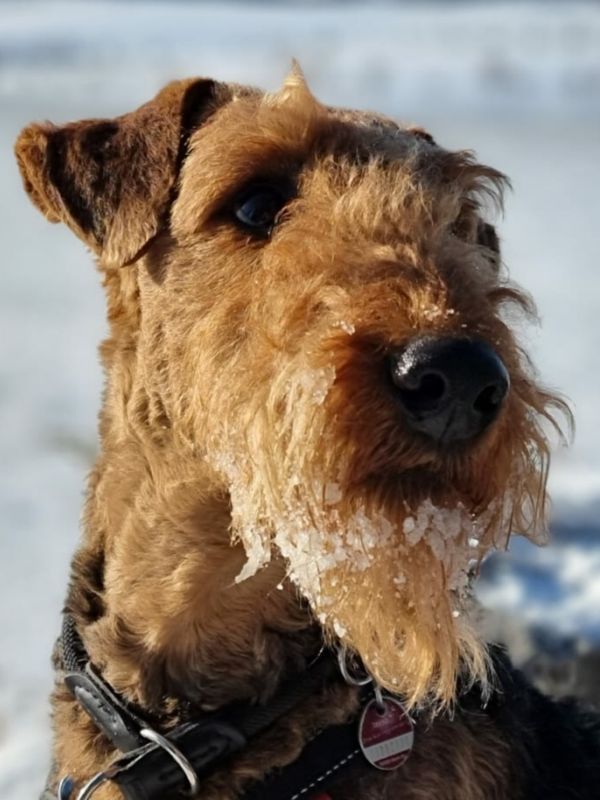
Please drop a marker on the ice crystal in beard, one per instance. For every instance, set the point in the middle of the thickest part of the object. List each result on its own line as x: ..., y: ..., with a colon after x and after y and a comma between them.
x: 317, y: 383
x: 333, y: 494
x: 346, y: 326
x: 453, y: 535
x: 440, y: 528
x: 316, y: 544
x: 258, y: 554
x: 254, y: 536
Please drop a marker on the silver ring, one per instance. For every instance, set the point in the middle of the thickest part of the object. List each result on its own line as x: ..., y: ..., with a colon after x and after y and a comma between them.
x: 176, y: 755
x: 350, y: 679
x: 378, y: 697
x: 65, y: 787
x: 91, y: 786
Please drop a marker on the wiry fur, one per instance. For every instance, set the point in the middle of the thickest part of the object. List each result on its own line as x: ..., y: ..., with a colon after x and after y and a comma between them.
x: 256, y: 484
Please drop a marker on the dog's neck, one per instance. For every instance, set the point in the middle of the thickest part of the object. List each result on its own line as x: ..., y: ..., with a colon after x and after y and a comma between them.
x: 154, y: 589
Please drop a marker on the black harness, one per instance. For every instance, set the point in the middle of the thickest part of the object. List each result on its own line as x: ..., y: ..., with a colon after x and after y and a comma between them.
x: 153, y: 766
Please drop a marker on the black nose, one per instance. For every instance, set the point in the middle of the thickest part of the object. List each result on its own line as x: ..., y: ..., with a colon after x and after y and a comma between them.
x: 450, y: 389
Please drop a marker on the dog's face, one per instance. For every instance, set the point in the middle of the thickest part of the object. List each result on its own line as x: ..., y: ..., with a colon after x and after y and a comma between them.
x: 317, y: 307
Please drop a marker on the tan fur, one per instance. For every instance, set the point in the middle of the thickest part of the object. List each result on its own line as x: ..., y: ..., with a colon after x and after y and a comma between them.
x: 244, y: 414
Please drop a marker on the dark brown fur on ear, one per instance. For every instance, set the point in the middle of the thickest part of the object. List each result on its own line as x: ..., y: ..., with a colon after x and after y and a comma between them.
x: 112, y: 181
x: 421, y: 133
x: 488, y: 238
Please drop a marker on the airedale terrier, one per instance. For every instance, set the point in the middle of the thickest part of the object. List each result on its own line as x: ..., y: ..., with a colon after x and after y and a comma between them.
x: 317, y: 421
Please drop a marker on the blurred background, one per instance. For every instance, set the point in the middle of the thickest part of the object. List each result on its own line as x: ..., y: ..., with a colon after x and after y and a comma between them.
x: 517, y: 81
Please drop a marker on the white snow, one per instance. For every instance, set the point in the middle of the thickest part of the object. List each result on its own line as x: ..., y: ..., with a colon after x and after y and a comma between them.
x: 333, y: 494
x: 517, y: 81
x: 318, y: 382
x: 312, y: 547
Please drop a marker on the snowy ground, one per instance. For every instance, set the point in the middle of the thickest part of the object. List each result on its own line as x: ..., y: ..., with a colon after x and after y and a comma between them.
x: 519, y: 84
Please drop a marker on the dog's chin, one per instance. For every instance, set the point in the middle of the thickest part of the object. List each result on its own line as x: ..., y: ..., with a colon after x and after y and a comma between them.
x: 391, y: 583
x: 402, y: 605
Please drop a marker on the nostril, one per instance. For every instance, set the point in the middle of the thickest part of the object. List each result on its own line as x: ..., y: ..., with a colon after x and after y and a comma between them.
x: 489, y: 400
x: 433, y: 385
x: 426, y: 394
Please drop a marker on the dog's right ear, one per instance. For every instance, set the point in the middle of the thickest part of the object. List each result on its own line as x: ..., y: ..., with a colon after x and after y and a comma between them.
x: 112, y: 181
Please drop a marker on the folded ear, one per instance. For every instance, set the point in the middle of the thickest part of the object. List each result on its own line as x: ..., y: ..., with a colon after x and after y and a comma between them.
x: 487, y: 237
x: 112, y: 181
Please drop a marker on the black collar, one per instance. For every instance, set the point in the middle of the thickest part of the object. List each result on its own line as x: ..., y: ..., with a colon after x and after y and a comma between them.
x: 153, y: 766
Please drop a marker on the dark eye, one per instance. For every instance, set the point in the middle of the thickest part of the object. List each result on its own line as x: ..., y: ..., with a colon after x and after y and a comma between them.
x: 257, y: 208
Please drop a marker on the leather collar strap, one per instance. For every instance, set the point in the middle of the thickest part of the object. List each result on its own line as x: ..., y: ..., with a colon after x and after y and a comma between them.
x: 149, y: 770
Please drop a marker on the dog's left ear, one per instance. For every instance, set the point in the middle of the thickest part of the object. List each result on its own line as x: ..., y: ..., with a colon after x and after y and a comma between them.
x: 112, y: 181
x: 488, y: 238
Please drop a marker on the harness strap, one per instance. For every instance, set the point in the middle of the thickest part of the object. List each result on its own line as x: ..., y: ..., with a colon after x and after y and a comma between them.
x: 321, y: 762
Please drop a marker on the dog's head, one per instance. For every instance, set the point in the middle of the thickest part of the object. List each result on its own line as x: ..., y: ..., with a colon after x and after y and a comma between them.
x: 312, y: 301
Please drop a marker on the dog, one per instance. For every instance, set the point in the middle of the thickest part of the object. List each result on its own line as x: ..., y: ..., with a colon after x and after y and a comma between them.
x: 317, y: 422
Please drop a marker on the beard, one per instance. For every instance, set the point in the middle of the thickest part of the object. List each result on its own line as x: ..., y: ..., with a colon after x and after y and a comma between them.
x: 396, y: 593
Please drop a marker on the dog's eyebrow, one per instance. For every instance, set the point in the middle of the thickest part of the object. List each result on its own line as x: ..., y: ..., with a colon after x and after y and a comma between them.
x: 210, y: 200
x: 215, y: 171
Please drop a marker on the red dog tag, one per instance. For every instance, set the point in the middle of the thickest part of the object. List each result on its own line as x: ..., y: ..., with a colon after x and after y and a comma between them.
x: 385, y: 734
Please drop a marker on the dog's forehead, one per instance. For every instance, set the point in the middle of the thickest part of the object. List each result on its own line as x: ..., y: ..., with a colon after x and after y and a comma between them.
x: 297, y: 119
